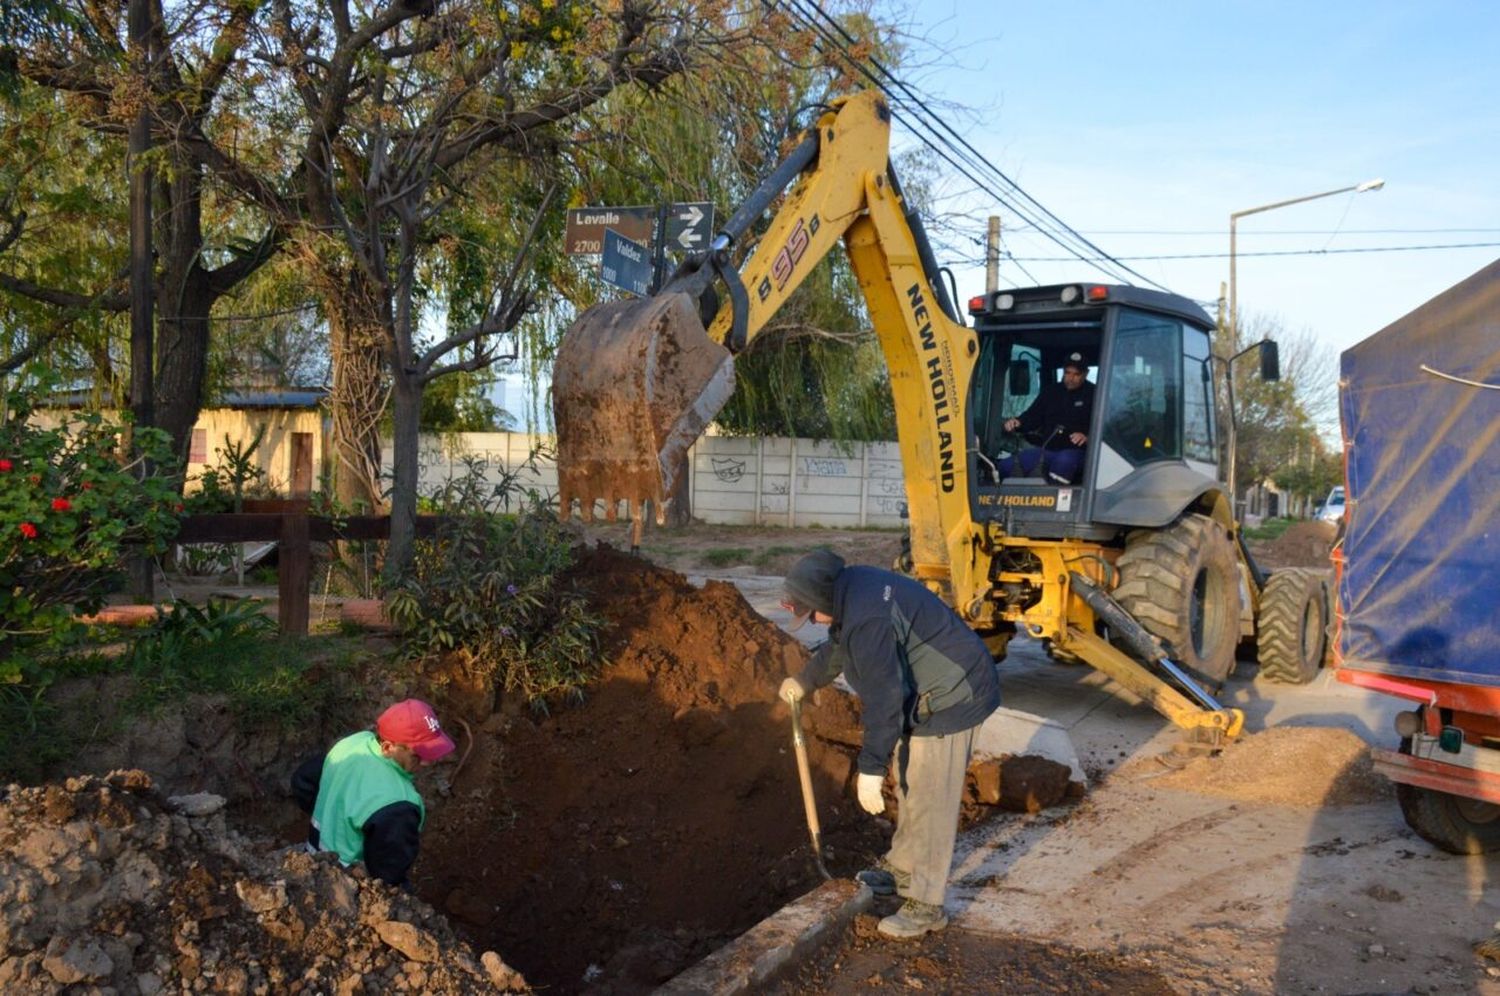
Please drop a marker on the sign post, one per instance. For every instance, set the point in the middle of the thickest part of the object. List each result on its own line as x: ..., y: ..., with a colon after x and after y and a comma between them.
x: 619, y: 234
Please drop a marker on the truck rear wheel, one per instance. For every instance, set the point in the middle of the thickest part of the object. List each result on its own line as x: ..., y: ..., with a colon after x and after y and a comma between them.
x: 1454, y: 823
x: 1182, y: 584
x: 1291, y: 632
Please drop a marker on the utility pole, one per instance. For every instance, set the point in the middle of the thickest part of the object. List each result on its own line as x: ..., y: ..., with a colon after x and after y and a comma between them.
x: 992, y: 256
x: 142, y: 312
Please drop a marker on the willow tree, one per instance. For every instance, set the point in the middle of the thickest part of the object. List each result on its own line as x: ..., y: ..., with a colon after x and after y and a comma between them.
x: 816, y: 367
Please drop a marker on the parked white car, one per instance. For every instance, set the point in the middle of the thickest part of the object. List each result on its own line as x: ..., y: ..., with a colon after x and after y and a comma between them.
x: 1332, y: 509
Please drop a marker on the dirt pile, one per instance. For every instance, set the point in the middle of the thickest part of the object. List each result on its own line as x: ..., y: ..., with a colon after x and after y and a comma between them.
x: 1285, y: 766
x: 617, y: 841
x: 106, y: 885
x: 1304, y: 544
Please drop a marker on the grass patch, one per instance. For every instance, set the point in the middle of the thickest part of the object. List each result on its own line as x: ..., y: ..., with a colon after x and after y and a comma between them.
x: 62, y: 706
x: 771, y: 553
x: 1269, y: 529
x: 726, y: 556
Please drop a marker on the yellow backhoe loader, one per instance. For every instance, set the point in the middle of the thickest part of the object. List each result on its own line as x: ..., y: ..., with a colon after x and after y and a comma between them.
x: 1131, y: 562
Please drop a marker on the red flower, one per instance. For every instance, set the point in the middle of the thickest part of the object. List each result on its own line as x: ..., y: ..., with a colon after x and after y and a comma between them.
x: 5, y: 466
x: 177, y: 507
x: 35, y: 478
x: 61, y: 504
x: 87, y: 485
x: 28, y: 530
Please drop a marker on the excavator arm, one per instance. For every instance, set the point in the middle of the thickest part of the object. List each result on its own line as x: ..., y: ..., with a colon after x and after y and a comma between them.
x: 636, y: 382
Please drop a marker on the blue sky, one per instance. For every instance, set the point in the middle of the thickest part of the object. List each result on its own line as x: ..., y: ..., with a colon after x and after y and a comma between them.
x: 1163, y: 118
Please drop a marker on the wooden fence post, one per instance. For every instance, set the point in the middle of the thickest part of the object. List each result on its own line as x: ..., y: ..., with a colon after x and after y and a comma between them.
x: 294, y: 562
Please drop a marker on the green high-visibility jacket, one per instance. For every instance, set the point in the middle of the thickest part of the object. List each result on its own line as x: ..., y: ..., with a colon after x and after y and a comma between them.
x: 358, y: 781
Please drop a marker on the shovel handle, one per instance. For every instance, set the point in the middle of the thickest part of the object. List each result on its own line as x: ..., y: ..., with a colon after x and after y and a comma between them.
x: 804, y: 773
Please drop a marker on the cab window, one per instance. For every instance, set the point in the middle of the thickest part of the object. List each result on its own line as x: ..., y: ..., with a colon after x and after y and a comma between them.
x: 1143, y: 419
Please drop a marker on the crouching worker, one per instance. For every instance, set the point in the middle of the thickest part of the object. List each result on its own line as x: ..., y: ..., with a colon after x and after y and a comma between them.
x: 360, y: 794
x: 926, y: 682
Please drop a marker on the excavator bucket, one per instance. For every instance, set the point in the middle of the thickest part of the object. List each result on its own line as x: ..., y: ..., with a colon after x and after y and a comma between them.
x: 634, y: 384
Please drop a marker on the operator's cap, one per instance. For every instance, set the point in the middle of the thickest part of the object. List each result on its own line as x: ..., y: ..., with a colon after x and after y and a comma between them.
x: 809, y: 586
x: 1076, y: 360
x: 412, y: 723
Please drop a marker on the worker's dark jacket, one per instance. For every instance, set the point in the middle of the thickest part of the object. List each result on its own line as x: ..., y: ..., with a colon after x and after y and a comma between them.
x: 918, y: 670
x: 1057, y: 413
x: 392, y: 834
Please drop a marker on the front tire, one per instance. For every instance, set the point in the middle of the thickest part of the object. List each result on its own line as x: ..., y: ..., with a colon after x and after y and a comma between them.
x: 1182, y: 583
x: 1291, y: 631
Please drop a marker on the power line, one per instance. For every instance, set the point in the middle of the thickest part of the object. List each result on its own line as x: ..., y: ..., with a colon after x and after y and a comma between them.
x: 1281, y: 252
x: 924, y: 120
x: 1290, y: 231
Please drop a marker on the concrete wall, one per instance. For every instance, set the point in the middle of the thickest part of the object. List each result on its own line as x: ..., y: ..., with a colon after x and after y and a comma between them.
x: 732, y: 481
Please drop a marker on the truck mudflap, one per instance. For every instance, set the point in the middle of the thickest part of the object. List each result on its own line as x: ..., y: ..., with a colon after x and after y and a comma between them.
x: 634, y: 384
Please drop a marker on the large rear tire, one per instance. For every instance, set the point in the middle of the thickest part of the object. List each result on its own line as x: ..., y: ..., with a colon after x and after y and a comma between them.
x: 1451, y: 822
x: 1291, y: 632
x: 1182, y: 583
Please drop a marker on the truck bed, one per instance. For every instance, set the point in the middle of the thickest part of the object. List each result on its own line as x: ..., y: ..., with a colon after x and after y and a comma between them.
x: 1419, y: 558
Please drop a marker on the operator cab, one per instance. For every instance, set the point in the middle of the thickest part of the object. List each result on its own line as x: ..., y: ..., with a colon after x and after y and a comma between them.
x: 1148, y: 449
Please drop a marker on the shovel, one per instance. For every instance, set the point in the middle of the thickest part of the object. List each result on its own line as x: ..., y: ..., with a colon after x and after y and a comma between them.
x: 804, y: 771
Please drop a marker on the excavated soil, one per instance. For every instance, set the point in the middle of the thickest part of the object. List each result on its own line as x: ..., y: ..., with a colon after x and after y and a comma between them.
x: 600, y: 847
x: 611, y: 844
x: 1304, y: 544
x: 105, y: 886
x: 1286, y: 765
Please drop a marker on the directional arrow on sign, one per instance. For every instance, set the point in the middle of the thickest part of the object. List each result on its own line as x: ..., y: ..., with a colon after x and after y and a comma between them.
x: 689, y: 224
x: 690, y: 218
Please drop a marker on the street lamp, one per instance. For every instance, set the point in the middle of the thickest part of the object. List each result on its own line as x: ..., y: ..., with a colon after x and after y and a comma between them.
x: 1234, y: 312
x: 1234, y: 219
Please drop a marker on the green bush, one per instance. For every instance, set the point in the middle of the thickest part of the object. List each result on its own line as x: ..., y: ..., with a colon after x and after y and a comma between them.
x: 492, y: 585
x: 72, y: 507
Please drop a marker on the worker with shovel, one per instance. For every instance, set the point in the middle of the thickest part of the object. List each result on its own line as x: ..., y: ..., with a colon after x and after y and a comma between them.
x: 926, y: 682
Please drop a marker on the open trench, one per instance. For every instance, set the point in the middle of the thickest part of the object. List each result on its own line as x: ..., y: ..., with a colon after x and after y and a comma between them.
x: 615, y: 842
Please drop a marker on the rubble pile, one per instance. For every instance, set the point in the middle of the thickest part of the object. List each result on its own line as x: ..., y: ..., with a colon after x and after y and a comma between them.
x: 106, y: 885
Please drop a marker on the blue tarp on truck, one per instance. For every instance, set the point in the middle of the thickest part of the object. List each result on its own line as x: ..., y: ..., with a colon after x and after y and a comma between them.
x: 1419, y: 593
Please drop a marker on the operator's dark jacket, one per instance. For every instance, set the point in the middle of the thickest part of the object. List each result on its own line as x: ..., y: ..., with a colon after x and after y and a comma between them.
x: 393, y: 833
x: 1057, y: 406
x: 917, y: 669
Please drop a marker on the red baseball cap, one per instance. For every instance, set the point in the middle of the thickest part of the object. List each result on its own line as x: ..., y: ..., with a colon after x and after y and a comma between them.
x: 412, y: 723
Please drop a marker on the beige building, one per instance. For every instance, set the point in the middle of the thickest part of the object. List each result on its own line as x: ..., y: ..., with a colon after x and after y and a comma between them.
x: 292, y: 450
x: 291, y: 453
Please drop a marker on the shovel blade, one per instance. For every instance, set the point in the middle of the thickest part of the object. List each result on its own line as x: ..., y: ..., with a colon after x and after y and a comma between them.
x: 634, y: 384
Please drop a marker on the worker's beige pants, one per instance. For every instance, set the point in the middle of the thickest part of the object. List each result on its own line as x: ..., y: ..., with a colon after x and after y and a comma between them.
x: 928, y: 819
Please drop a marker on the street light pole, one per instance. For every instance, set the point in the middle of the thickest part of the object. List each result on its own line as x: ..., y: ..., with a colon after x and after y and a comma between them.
x: 1234, y: 309
x: 1234, y: 314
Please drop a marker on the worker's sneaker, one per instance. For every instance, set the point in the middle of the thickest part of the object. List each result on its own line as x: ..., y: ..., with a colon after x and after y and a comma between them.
x: 883, y: 880
x: 913, y: 919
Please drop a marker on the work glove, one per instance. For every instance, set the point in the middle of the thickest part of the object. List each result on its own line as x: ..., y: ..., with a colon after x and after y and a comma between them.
x: 869, y: 793
x: 792, y: 690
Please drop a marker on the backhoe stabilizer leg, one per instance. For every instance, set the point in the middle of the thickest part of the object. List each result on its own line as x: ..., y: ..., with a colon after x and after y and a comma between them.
x: 1147, y: 647
x: 1161, y: 696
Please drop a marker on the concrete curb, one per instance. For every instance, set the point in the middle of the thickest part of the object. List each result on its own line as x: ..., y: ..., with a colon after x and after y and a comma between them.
x: 751, y: 961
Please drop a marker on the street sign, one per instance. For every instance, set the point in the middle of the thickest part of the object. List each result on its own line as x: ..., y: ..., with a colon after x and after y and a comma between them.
x: 689, y: 225
x: 586, y: 227
x: 626, y: 264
